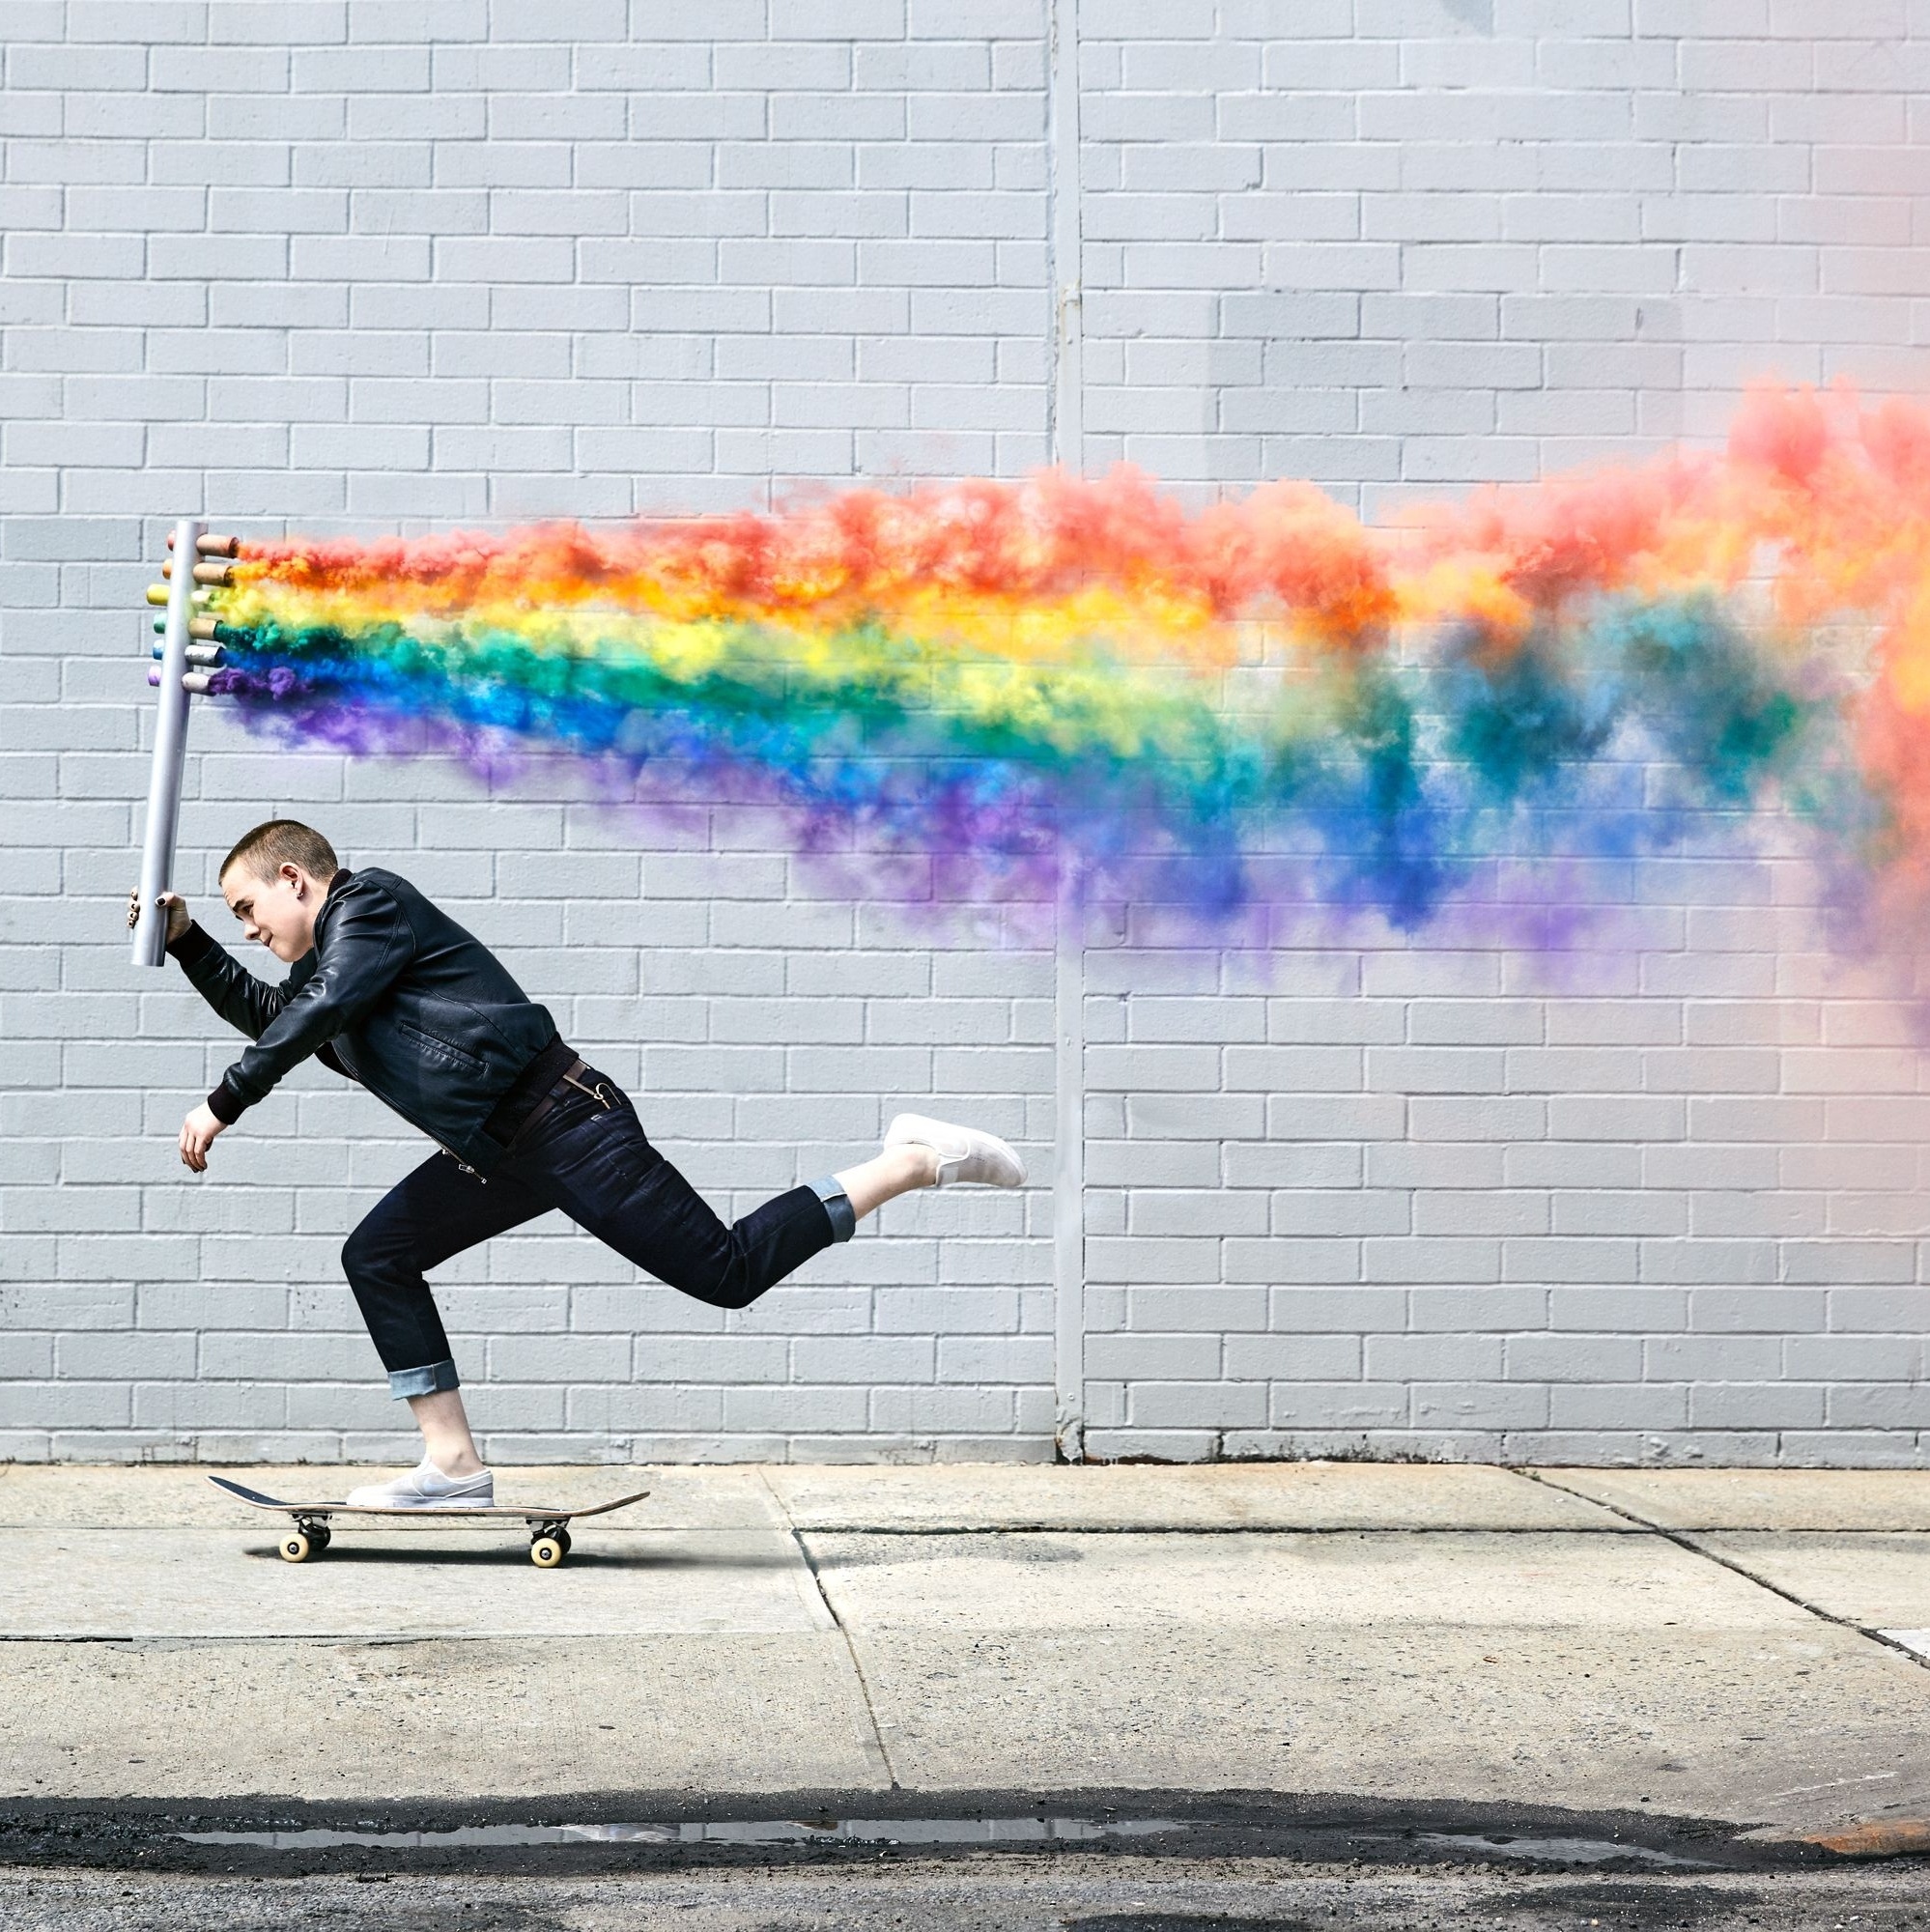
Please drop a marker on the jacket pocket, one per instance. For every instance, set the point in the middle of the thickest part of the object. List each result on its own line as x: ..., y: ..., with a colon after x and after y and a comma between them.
x: 434, y: 1048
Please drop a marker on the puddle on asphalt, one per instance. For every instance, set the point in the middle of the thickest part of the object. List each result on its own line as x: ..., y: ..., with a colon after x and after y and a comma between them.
x: 1009, y: 1831
x: 1563, y: 1851
x: 725, y: 1831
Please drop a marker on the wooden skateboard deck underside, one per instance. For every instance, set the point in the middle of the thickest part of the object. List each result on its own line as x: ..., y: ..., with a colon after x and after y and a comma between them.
x: 531, y: 1513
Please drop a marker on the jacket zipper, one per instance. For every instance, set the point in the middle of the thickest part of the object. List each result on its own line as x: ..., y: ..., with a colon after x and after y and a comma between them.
x: 460, y: 1163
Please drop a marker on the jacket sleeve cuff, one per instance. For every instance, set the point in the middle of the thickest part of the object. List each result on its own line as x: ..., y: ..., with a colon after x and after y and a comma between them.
x: 225, y: 1104
x: 191, y: 945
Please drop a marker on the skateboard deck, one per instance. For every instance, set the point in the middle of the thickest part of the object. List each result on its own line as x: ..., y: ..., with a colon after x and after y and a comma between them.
x: 549, y: 1526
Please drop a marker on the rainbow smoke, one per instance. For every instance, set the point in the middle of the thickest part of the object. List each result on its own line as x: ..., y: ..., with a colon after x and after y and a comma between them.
x: 1261, y: 701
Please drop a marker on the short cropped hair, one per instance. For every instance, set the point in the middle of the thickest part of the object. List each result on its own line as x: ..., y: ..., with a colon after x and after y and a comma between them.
x: 282, y: 841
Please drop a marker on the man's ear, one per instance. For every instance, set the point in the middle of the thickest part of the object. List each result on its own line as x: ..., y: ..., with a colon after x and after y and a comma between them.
x: 293, y: 875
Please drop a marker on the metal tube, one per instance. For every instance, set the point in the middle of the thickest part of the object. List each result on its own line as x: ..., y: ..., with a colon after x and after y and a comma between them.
x: 149, y: 947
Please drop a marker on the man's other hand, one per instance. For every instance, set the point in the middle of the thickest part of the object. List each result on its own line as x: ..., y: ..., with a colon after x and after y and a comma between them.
x: 197, y: 1136
x: 172, y: 903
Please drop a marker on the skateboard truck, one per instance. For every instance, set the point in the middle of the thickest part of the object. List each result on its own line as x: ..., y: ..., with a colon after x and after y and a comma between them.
x: 549, y: 1542
x: 309, y: 1537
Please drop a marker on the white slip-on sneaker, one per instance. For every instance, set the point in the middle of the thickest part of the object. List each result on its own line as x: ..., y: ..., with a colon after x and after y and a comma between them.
x: 964, y: 1153
x: 426, y: 1488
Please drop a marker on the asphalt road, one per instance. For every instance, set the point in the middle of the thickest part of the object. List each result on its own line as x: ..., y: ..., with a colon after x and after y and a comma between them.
x: 1032, y: 1896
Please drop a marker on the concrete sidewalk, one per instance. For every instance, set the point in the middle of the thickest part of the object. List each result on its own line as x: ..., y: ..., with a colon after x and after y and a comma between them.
x: 1733, y: 1645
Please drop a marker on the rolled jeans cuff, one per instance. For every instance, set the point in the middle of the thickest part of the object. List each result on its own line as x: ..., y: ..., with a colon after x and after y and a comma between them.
x: 429, y: 1379
x: 836, y: 1205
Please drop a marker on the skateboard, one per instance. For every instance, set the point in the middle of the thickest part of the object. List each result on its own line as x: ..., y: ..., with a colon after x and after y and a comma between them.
x: 549, y: 1529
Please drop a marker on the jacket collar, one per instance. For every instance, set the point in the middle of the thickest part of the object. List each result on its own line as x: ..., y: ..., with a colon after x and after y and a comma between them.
x: 341, y: 878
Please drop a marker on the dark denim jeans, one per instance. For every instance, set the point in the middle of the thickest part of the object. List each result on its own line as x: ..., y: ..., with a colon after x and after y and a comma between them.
x: 589, y: 1157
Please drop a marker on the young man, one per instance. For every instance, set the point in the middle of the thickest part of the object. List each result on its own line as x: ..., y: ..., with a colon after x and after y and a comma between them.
x: 394, y: 994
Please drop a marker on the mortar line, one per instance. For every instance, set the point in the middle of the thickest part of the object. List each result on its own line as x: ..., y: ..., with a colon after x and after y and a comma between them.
x: 874, y: 1742
x: 1684, y: 1540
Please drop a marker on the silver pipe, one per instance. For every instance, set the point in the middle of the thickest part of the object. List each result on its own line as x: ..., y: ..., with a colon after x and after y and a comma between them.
x: 1068, y: 1166
x: 150, y: 948
x: 1066, y: 399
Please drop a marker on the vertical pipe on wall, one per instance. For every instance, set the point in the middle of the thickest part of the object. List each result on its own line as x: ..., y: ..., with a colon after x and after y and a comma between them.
x: 1065, y: 405
x: 1068, y: 1173
x: 1065, y: 237
x: 149, y: 947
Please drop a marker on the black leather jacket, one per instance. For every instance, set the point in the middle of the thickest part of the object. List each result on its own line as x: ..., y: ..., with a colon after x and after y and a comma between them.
x: 397, y: 996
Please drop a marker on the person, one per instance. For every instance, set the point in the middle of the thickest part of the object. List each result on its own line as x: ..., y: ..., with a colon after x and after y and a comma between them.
x: 393, y: 993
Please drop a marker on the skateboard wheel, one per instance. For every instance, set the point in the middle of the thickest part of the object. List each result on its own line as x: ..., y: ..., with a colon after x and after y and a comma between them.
x: 547, y: 1552
x: 319, y: 1539
x: 297, y: 1547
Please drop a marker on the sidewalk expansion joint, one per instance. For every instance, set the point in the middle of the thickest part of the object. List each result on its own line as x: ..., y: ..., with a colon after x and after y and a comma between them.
x: 1683, y: 1539
x: 873, y: 1737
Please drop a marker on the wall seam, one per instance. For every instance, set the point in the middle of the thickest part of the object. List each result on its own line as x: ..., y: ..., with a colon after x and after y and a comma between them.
x: 1066, y: 437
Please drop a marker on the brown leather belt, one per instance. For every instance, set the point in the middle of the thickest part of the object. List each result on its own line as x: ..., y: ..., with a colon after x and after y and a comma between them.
x: 569, y: 1077
x: 530, y: 1084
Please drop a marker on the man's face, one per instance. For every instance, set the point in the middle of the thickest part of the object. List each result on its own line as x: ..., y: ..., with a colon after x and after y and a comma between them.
x: 278, y: 910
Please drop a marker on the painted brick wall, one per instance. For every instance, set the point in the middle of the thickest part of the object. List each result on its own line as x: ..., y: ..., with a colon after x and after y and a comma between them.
x: 381, y: 265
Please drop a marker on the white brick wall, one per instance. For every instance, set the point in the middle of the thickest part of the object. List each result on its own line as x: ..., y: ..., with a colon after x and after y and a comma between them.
x: 382, y: 265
